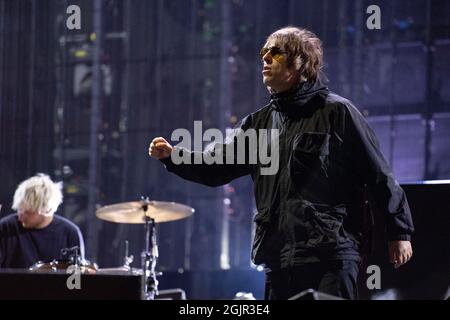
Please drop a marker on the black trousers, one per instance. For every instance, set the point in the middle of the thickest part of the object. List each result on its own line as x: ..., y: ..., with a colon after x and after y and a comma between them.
x: 338, y: 278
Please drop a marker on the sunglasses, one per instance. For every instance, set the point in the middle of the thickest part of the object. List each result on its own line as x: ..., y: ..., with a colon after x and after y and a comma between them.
x: 274, y: 52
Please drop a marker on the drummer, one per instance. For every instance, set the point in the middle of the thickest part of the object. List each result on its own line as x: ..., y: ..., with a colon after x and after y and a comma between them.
x: 35, y: 233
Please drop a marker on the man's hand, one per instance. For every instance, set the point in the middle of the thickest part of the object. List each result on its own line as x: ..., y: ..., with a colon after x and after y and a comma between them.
x: 399, y: 252
x: 159, y: 148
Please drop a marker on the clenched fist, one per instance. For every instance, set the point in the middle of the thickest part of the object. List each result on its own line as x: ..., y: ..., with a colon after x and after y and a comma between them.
x: 159, y: 148
x: 400, y: 252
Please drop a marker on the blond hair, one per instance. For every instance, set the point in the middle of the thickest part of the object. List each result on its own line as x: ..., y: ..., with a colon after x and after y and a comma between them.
x: 304, y: 50
x: 38, y: 194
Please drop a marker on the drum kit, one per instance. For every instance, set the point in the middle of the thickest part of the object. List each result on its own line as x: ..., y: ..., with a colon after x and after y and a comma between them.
x: 144, y: 212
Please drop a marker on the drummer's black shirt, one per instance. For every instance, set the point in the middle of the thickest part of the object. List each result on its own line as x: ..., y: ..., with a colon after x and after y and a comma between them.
x: 21, y: 247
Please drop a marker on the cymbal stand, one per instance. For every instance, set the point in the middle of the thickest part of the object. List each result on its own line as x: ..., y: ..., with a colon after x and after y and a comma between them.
x: 149, y: 256
x: 72, y: 253
x: 128, y: 259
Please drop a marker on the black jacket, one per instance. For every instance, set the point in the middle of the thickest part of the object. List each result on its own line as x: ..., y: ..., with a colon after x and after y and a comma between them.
x: 312, y: 208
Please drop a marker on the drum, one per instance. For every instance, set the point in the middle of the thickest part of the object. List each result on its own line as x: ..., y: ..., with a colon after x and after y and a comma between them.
x: 120, y: 270
x: 62, y: 265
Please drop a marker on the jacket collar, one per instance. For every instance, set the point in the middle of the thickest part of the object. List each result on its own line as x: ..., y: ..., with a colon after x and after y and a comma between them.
x: 290, y: 101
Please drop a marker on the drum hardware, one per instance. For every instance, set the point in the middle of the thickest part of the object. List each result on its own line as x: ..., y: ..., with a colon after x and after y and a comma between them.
x: 72, y: 254
x: 148, y: 213
x: 127, y: 260
x: 60, y: 265
x: 69, y: 257
x: 125, y: 268
x: 149, y: 256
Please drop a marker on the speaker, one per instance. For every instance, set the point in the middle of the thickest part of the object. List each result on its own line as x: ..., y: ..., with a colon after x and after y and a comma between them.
x: 21, y: 284
x: 311, y: 294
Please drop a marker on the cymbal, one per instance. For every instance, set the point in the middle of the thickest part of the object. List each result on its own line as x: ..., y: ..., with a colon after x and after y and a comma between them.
x: 133, y: 212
